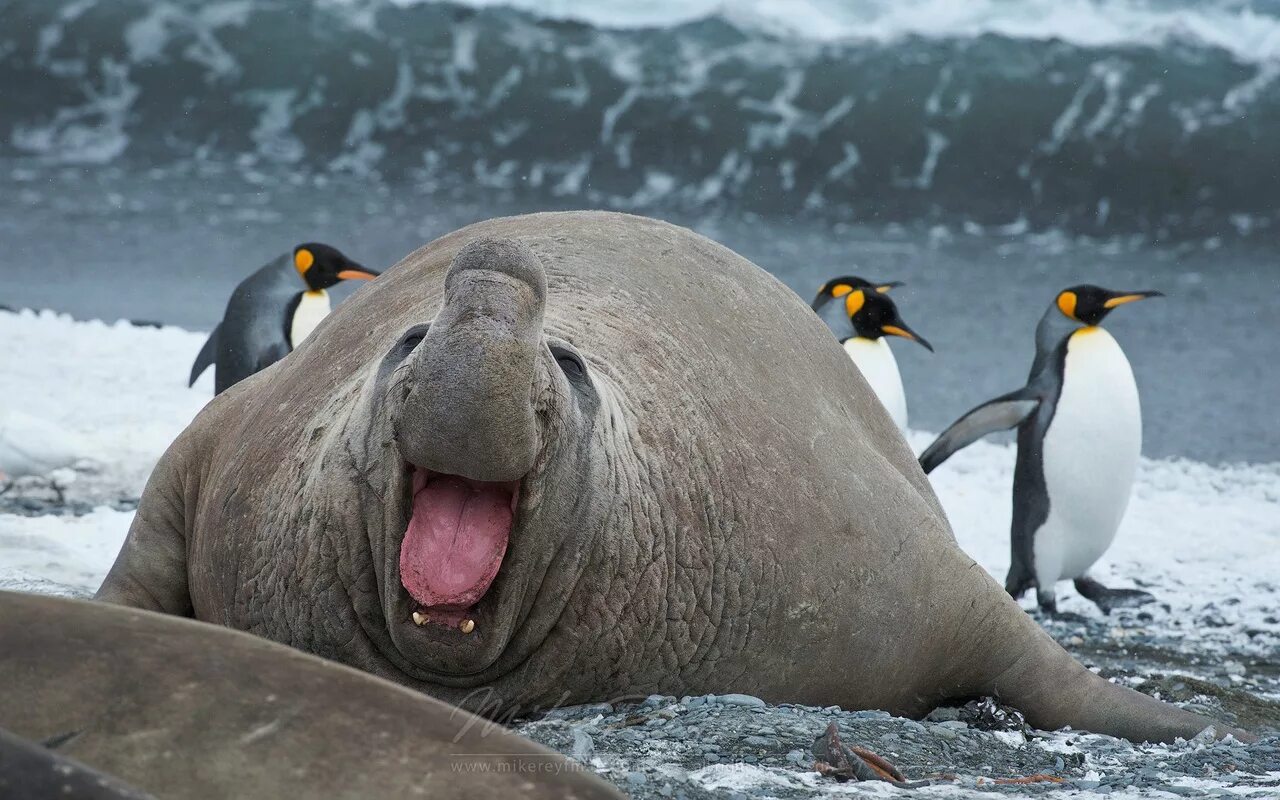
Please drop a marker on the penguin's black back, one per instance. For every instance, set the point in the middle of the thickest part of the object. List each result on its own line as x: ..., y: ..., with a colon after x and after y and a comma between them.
x: 252, y: 335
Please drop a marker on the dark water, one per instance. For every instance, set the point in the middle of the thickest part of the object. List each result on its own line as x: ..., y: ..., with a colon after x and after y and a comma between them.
x: 111, y: 244
x: 1170, y: 141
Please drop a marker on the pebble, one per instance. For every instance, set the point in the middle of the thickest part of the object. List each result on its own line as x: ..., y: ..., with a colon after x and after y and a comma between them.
x: 583, y: 748
x: 574, y: 712
x: 655, y: 759
x: 740, y: 700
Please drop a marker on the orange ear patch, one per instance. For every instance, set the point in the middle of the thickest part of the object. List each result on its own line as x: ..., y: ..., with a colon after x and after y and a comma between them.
x: 1067, y: 304
x: 854, y: 301
x: 302, y: 260
x: 841, y: 289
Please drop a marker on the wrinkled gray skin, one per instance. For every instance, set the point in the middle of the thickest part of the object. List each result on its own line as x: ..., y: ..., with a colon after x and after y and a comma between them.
x: 721, y: 506
x: 182, y: 709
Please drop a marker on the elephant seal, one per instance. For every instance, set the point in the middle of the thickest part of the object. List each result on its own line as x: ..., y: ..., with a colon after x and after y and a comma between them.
x: 180, y: 708
x: 568, y: 456
x: 31, y: 771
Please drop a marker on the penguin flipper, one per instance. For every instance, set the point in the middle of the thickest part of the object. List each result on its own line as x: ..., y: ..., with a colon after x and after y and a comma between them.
x: 1004, y: 412
x: 208, y: 354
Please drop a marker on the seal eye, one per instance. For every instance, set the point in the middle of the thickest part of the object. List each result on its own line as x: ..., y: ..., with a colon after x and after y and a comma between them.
x: 569, y: 362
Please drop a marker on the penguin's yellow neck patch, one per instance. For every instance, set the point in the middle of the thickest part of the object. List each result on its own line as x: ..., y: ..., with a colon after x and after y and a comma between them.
x: 316, y: 294
x: 302, y: 260
x: 1085, y: 331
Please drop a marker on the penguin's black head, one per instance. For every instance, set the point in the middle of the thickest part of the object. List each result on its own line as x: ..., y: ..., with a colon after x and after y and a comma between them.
x: 844, y: 285
x: 874, y: 315
x: 322, y: 266
x: 1089, y: 304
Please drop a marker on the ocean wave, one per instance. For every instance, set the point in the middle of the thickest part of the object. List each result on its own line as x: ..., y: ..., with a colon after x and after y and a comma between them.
x: 983, y: 125
x: 1250, y: 31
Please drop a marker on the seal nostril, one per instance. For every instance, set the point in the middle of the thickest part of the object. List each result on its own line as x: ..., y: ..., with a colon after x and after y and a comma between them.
x: 411, y: 339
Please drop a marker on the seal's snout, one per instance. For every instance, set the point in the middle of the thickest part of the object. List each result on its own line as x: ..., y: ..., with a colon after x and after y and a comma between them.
x: 497, y: 260
x: 469, y: 429
x: 470, y: 411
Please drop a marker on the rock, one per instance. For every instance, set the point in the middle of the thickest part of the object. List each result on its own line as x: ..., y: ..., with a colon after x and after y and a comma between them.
x: 944, y: 714
x: 740, y: 700
x: 750, y: 750
x: 988, y: 715
x: 578, y: 712
x: 583, y: 748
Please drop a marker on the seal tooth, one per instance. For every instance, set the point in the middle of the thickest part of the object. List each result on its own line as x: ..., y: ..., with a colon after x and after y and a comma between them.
x: 467, y: 626
x: 419, y: 618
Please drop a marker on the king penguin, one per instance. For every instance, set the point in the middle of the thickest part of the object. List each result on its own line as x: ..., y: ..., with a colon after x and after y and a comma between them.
x: 1079, y: 436
x: 269, y: 314
x: 861, y: 321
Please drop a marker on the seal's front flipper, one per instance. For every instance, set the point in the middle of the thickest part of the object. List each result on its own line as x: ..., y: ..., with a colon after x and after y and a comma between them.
x: 1002, y: 413
x: 151, y: 569
x: 1108, y: 599
x: 208, y: 354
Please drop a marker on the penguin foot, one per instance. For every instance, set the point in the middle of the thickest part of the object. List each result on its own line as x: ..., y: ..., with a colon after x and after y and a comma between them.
x: 1108, y: 600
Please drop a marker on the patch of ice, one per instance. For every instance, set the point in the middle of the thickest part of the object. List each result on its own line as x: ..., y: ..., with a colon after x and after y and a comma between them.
x: 60, y: 555
x: 118, y: 388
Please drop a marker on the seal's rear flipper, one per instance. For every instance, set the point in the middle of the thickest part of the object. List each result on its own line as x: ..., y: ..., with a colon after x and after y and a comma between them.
x: 1022, y: 666
x: 1002, y: 413
x: 208, y: 354
x: 1108, y: 599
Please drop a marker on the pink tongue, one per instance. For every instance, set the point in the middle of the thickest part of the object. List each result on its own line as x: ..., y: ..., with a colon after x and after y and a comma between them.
x: 456, y: 539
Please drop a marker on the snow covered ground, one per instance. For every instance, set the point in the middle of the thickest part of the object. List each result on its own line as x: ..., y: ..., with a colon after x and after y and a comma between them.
x: 1205, y: 540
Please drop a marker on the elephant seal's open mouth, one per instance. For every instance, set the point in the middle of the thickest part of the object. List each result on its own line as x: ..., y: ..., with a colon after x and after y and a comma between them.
x: 453, y: 546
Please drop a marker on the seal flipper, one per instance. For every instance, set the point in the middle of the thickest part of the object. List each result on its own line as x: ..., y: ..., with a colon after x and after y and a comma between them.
x: 1109, y: 599
x: 208, y: 354
x: 1014, y: 660
x: 1002, y: 413
x: 151, y: 569
x: 29, y: 770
